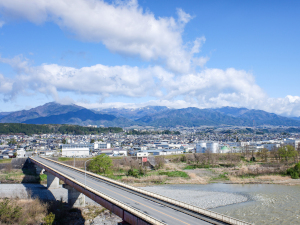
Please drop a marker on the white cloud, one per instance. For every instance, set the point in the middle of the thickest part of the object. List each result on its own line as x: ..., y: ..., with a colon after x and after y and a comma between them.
x: 1, y: 23
x: 206, y: 89
x: 123, y: 27
x: 5, y: 85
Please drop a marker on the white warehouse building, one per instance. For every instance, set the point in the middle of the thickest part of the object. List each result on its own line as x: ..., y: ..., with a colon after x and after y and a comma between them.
x: 102, y: 145
x: 293, y: 142
x: 69, y: 150
x: 200, y: 147
x: 213, y: 147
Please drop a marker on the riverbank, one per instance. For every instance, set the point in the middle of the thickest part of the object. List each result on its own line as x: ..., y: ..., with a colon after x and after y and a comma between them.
x: 254, y: 173
x: 42, y: 202
x: 175, y: 173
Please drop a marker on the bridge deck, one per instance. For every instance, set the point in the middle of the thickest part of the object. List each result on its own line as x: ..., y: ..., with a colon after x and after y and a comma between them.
x: 158, y: 209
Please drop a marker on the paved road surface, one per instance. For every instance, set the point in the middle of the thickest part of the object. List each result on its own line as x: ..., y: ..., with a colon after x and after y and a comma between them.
x: 156, y: 210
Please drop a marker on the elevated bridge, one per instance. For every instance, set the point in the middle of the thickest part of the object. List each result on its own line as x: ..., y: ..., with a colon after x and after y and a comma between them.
x: 135, y: 206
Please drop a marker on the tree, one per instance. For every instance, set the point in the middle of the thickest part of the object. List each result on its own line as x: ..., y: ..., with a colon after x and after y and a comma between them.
x: 92, y: 141
x: 287, y: 152
x: 64, y: 141
x: 101, y: 164
x: 160, y: 162
x: 263, y: 153
x: 12, y: 142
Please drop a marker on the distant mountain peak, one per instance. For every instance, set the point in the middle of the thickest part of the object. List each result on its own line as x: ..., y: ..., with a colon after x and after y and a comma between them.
x: 163, y: 116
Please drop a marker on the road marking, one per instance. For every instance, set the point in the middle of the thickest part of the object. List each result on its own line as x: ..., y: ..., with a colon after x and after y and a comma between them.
x: 137, y: 202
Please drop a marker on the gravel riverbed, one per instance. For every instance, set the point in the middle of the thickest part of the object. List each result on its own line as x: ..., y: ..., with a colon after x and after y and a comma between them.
x: 200, y: 198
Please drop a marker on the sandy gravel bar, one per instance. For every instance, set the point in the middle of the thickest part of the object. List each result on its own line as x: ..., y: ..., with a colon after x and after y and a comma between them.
x: 203, y: 199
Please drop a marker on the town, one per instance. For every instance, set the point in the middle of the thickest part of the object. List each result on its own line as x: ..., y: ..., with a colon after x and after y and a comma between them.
x: 143, y: 144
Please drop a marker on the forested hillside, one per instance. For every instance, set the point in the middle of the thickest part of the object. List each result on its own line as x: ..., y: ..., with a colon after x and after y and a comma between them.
x: 29, y: 129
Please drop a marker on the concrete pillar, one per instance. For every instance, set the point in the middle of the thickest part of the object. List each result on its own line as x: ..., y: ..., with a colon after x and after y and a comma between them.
x: 39, y: 170
x: 52, y: 181
x: 75, y: 198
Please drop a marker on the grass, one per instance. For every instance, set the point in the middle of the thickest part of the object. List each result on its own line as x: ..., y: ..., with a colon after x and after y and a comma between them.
x: 173, y: 156
x: 5, y: 160
x: 93, y: 211
x: 222, y: 176
x: 192, y: 167
x: 18, y: 176
x: 175, y: 174
x: 247, y: 176
x: 64, y: 159
x: 22, y: 211
x: 43, y: 177
x: 115, y: 177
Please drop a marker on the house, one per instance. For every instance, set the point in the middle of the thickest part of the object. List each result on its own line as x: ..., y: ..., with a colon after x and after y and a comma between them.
x: 21, y: 153
x: 142, y: 154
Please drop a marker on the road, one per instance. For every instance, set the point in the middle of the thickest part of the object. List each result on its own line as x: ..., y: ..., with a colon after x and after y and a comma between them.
x: 157, y: 209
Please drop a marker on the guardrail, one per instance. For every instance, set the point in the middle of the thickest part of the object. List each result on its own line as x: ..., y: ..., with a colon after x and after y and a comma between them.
x: 211, y: 214
x: 130, y: 209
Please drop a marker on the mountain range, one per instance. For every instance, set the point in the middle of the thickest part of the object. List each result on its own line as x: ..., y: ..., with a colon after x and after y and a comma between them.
x: 55, y: 113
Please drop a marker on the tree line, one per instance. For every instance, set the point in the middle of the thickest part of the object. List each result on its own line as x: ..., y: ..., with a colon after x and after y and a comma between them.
x: 29, y: 129
x: 137, y: 132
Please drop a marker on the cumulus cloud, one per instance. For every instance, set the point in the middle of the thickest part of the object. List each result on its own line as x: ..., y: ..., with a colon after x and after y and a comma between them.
x: 123, y: 27
x: 5, y: 85
x: 209, y: 88
x: 98, y: 79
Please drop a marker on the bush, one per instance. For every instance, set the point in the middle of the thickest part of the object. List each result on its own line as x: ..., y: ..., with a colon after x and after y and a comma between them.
x: 136, y: 172
x: 8, y: 212
x: 191, y: 167
x: 294, y: 172
x: 43, y: 177
x: 49, y: 219
x: 133, y: 173
x: 252, y: 159
x: 175, y: 174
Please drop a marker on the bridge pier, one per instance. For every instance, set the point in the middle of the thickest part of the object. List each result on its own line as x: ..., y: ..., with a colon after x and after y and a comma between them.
x: 39, y: 170
x: 52, y: 181
x: 75, y: 198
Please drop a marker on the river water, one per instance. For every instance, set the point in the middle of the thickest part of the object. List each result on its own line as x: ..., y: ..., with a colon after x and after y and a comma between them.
x: 259, y: 203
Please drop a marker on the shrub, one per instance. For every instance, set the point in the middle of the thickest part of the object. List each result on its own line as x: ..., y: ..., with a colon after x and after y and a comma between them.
x: 49, y: 219
x: 133, y: 173
x: 8, y: 212
x: 175, y: 174
x: 191, y: 167
x: 294, y: 172
x: 136, y: 172
x: 252, y: 159
x: 43, y: 177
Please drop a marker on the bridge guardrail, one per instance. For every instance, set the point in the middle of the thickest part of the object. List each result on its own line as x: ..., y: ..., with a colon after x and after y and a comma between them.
x: 202, y: 211
x: 130, y: 209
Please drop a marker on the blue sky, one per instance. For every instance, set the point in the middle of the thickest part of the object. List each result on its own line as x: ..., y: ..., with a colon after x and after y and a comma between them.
x: 137, y: 53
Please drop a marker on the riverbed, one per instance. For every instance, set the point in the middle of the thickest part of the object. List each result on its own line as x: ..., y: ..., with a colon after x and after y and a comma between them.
x: 255, y: 203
